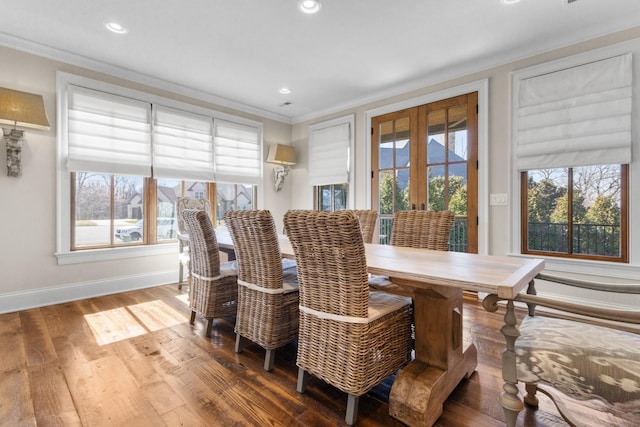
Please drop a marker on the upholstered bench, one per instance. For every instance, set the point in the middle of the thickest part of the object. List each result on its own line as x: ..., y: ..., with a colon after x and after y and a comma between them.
x: 589, y: 365
x: 593, y: 371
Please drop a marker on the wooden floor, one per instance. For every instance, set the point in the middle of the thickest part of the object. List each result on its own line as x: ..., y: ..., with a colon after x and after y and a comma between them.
x: 132, y: 359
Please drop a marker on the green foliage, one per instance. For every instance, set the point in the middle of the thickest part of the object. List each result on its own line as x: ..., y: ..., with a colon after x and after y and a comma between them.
x: 437, y: 193
x: 543, y: 199
x: 604, y: 211
x: 392, y: 199
x: 560, y: 214
x: 595, y: 228
x: 458, y: 202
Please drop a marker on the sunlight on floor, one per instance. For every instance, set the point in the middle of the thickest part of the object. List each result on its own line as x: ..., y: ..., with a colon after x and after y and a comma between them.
x: 122, y: 323
x: 184, y: 298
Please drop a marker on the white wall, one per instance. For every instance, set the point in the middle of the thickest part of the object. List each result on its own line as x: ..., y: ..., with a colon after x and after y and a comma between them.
x: 29, y: 271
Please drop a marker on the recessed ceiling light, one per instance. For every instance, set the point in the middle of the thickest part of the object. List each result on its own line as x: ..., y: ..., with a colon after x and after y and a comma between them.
x: 285, y: 90
x: 114, y: 27
x: 510, y: 1
x: 309, y: 6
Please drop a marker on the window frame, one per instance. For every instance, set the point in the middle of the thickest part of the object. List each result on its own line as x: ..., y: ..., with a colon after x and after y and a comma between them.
x: 624, y: 228
x: 64, y: 252
x: 317, y: 204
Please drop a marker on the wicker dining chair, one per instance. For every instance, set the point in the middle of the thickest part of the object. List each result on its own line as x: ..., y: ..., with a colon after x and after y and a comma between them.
x: 368, y: 219
x: 349, y: 337
x: 213, y: 287
x: 422, y: 229
x: 416, y: 229
x: 267, y: 284
x: 183, y: 236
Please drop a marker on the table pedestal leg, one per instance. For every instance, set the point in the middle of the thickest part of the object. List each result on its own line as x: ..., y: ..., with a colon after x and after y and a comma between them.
x: 420, y: 389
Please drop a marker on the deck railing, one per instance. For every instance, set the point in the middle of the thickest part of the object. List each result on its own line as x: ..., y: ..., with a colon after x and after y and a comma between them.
x: 591, y: 239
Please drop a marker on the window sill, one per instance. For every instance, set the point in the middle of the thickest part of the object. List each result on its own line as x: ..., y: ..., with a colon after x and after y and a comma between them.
x: 108, y: 254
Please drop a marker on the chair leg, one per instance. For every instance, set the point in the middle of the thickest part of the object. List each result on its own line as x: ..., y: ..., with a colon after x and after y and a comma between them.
x: 269, y: 359
x: 209, y: 326
x: 303, y: 377
x: 531, y: 399
x: 238, y: 348
x: 352, y: 409
x: 180, y: 275
x: 192, y: 319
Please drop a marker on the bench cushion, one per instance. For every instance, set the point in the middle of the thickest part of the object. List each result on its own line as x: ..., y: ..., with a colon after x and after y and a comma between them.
x: 593, y: 366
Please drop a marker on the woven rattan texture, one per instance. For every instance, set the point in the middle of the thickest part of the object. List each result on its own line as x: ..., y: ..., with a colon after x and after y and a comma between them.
x: 332, y: 273
x: 183, y: 236
x: 368, y: 219
x: 268, y: 319
x: 422, y: 229
x: 209, y: 298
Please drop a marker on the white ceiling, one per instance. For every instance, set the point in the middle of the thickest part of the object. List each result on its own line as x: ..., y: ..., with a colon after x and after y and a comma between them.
x: 351, y: 52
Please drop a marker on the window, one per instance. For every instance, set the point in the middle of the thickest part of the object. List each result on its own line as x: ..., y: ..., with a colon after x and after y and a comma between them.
x: 331, y: 163
x: 578, y: 212
x: 332, y: 197
x: 234, y: 197
x: 125, y: 157
x: 572, y: 127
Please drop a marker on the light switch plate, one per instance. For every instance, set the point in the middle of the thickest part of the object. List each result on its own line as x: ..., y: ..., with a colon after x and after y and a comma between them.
x: 498, y: 199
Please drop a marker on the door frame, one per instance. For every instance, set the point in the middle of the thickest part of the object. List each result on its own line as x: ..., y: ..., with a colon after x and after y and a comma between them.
x: 480, y: 86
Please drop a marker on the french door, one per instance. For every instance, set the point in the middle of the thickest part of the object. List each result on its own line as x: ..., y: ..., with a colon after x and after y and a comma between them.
x: 426, y: 157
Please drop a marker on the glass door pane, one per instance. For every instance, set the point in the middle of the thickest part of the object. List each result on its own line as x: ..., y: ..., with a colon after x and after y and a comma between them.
x: 392, y: 171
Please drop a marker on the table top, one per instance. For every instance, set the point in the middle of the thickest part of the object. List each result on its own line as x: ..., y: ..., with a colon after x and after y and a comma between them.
x: 501, y: 275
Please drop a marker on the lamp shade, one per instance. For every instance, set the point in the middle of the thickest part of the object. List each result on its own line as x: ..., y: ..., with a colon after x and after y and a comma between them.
x: 22, y: 109
x: 281, y: 155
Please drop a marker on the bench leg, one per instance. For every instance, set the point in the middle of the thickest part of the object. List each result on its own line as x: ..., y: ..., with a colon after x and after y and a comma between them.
x: 510, y: 399
x: 531, y: 399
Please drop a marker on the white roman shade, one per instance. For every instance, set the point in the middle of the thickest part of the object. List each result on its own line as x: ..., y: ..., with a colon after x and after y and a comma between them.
x: 329, y: 154
x: 578, y: 116
x: 237, y: 153
x: 108, y: 133
x: 182, y: 145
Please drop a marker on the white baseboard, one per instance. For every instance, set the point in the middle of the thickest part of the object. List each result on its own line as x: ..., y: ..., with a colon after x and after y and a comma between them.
x: 17, y: 301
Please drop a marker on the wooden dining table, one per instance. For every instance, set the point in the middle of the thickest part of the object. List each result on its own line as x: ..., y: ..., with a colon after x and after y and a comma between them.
x: 437, y: 280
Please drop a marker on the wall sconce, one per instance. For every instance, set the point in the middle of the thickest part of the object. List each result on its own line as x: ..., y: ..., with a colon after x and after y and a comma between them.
x: 24, y: 110
x: 283, y: 156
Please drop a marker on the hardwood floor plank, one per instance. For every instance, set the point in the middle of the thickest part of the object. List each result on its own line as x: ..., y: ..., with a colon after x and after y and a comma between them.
x: 16, y: 406
x: 52, y: 401
x: 38, y: 345
x: 106, y: 394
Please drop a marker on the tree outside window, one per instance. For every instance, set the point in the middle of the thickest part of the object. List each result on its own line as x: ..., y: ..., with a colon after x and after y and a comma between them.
x: 577, y: 212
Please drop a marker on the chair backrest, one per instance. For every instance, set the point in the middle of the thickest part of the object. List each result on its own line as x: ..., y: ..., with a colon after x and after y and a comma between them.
x: 256, y: 245
x: 189, y: 203
x: 332, y: 267
x: 203, y: 246
x: 422, y: 229
x: 368, y: 219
